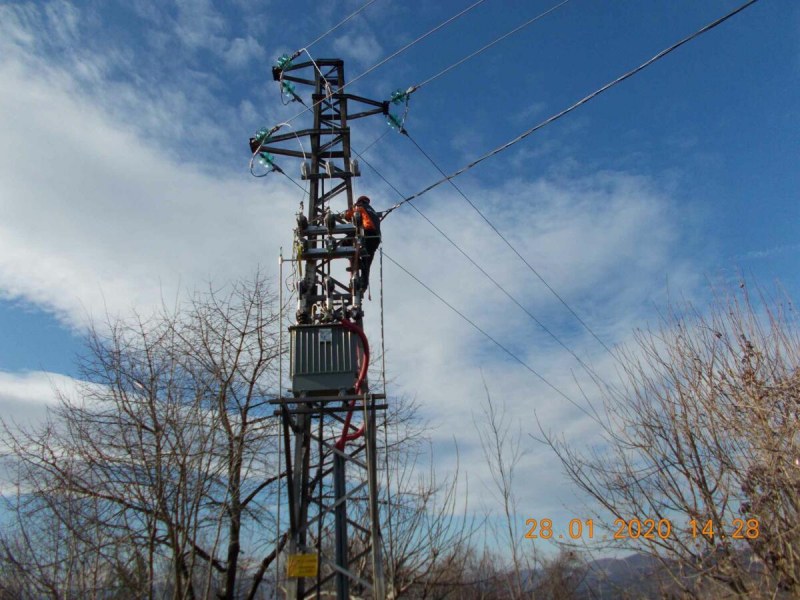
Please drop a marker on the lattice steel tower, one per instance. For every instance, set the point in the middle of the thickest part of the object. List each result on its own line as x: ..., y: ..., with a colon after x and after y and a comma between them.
x: 329, y: 421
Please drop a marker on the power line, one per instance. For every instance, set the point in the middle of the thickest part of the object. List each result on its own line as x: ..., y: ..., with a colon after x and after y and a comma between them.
x: 519, y: 138
x: 580, y: 102
x: 483, y: 271
x: 290, y: 178
x: 414, y: 88
x: 396, y: 53
x: 461, y: 61
x: 419, y: 39
x: 515, y: 251
x: 492, y: 339
x: 373, y: 142
x: 342, y: 22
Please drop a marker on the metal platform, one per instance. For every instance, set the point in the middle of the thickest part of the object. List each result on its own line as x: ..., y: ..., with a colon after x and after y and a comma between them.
x: 321, y: 404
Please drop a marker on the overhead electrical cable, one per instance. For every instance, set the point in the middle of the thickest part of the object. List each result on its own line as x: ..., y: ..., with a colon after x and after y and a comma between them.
x: 580, y: 102
x: 494, y: 340
x: 486, y: 274
x: 396, y: 53
x: 340, y: 23
x: 458, y: 63
x: 416, y: 87
x: 375, y: 141
x: 419, y: 39
x: 405, y: 95
x: 305, y: 48
x: 515, y: 251
x: 294, y: 181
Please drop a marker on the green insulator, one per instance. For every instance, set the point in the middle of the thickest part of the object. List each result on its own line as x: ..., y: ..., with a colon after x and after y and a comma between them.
x: 265, y: 159
x: 288, y: 88
x: 262, y: 135
x: 394, y: 121
x: 398, y: 97
x: 284, y: 62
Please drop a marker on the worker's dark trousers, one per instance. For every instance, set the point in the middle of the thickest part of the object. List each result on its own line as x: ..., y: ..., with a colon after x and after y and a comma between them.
x: 371, y: 242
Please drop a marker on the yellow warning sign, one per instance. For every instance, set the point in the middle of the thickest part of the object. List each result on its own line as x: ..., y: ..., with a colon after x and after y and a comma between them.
x: 302, y: 565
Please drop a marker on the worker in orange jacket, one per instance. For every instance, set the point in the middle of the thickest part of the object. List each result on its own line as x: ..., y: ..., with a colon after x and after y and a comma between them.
x: 371, y: 221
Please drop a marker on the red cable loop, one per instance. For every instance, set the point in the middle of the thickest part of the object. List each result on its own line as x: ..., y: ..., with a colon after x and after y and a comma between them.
x: 362, y: 374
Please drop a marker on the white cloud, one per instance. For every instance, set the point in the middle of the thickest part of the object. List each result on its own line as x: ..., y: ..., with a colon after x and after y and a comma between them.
x: 63, y: 21
x: 243, y: 51
x: 526, y: 115
x: 35, y: 387
x: 199, y: 24
x: 607, y: 242
x: 17, y: 25
x: 362, y: 47
x: 26, y: 397
x: 160, y: 98
x: 96, y: 218
x: 769, y: 252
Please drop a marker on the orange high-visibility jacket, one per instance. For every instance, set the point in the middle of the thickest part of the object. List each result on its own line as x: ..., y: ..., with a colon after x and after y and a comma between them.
x: 370, y: 221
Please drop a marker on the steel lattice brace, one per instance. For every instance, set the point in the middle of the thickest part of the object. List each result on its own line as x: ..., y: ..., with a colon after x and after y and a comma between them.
x: 333, y: 497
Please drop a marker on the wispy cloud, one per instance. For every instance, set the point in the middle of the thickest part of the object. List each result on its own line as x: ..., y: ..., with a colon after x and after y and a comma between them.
x: 63, y: 20
x: 26, y: 397
x: 604, y: 242
x: 768, y: 252
x: 35, y: 387
x: 97, y: 217
x: 243, y: 51
x: 200, y: 25
x: 532, y: 111
x: 362, y: 47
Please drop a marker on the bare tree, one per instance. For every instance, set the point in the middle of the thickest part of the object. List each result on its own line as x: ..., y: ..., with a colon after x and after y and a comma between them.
x: 160, y: 478
x: 560, y: 577
x: 57, y: 550
x: 699, y: 462
x: 426, y: 527
x: 502, y: 450
x: 169, y: 451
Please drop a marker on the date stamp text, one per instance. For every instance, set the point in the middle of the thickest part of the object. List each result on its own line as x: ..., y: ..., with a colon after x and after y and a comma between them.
x: 648, y: 529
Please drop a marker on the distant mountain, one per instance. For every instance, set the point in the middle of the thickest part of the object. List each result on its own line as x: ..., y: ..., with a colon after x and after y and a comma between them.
x: 634, y: 576
x: 641, y: 576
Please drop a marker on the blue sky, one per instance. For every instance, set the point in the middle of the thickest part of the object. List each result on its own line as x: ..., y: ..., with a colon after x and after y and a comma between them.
x: 124, y: 180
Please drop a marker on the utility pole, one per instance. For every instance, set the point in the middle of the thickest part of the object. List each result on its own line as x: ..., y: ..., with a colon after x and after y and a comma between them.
x: 329, y: 421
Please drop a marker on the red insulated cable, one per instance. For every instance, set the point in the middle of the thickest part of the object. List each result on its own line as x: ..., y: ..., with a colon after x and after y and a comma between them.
x: 362, y: 374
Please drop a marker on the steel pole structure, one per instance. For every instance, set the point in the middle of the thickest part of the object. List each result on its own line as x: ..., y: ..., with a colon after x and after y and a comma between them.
x: 332, y: 487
